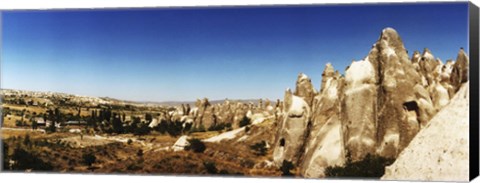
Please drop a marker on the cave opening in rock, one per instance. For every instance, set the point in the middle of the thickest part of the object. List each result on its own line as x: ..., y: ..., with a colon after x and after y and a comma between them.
x: 282, y: 142
x: 411, y: 106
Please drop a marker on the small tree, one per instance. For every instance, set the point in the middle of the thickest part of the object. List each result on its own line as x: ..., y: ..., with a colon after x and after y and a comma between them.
x: 140, y: 153
x: 370, y: 166
x: 201, y: 128
x: 18, y: 123
x: 148, y: 117
x: 143, y: 129
x: 25, y: 160
x: 26, y: 140
x: 162, y: 127
x: 34, y: 124
x: 260, y: 148
x: 117, y: 125
x: 244, y: 122
x: 89, y: 159
x: 210, y: 167
x: 175, y: 128
x: 196, y: 145
x: 286, y: 167
x: 5, y: 165
x: 52, y: 128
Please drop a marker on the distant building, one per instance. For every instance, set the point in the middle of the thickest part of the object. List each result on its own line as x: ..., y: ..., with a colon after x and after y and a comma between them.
x: 41, y: 122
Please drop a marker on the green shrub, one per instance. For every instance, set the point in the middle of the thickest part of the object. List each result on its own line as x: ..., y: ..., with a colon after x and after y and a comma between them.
x: 143, y: 129
x: 370, y: 166
x: 220, y: 127
x: 134, y: 167
x: 52, y: 128
x: 286, y: 168
x: 140, y: 153
x: 27, y: 141
x: 5, y: 165
x: 18, y: 123
x: 200, y: 128
x: 210, y: 167
x: 196, y: 145
x: 89, y: 159
x: 247, y: 129
x: 26, y: 160
x: 175, y: 128
x: 260, y: 148
x: 244, y: 122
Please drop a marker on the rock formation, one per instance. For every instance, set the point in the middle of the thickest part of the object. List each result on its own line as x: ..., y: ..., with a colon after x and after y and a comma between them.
x: 379, y: 106
x: 459, y: 73
x: 359, y: 109
x: 181, y: 143
x: 396, y: 107
x: 325, y: 147
x: 305, y: 89
x: 440, y: 152
x: 292, y: 129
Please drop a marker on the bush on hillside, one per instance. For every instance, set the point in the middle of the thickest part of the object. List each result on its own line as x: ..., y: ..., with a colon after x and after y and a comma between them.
x: 370, y: 166
x: 244, y: 122
x: 89, y: 159
x: 260, y: 148
x: 286, y: 168
x: 196, y: 145
x: 25, y: 160
x: 210, y: 167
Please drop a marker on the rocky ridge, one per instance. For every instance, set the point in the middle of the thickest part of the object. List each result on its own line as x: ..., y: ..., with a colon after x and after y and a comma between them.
x: 378, y: 107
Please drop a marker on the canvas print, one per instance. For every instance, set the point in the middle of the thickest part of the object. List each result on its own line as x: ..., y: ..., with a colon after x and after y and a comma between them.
x: 369, y: 91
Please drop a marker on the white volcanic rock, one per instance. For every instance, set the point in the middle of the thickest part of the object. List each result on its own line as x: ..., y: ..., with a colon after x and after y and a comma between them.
x: 258, y: 118
x: 328, y: 72
x: 396, y: 118
x: 428, y: 65
x: 440, y: 151
x: 459, y: 73
x: 360, y: 73
x: 292, y: 129
x: 416, y: 58
x: 304, y: 88
x: 181, y: 143
x: 359, y: 109
x: 425, y: 105
x: 439, y: 95
x: 226, y: 135
x: 325, y: 145
x: 154, y: 123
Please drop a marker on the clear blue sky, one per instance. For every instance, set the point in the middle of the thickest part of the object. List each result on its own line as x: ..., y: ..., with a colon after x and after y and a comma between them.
x: 181, y: 54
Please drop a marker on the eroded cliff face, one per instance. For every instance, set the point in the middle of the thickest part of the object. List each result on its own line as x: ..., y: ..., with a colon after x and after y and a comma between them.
x: 379, y: 106
x: 292, y: 129
x: 325, y: 146
x: 396, y: 107
x: 439, y: 152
